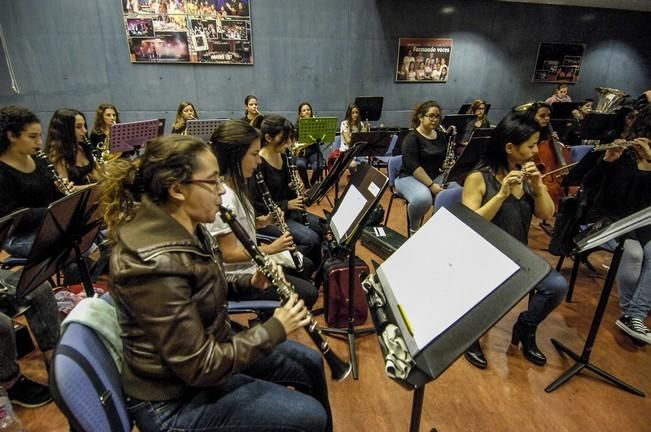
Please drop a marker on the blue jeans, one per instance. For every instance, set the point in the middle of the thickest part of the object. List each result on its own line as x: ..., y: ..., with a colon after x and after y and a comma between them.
x: 308, y: 240
x: 547, y: 295
x: 418, y: 196
x: 634, y: 279
x: 256, y: 399
x: 42, y: 317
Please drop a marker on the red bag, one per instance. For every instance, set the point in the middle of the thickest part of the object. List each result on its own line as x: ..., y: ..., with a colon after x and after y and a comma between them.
x: 335, y: 289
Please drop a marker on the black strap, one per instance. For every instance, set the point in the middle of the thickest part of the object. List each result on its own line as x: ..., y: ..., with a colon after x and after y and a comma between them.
x: 106, y: 397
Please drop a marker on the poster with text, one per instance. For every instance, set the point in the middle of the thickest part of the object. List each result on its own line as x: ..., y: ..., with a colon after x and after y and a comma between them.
x: 423, y: 60
x: 189, y: 31
x: 558, y: 63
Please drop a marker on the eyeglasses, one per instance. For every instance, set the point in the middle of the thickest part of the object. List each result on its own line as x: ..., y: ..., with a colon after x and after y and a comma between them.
x: 215, y: 183
x: 433, y: 116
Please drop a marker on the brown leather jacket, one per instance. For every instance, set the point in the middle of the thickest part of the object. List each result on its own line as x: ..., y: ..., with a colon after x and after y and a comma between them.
x: 170, y: 293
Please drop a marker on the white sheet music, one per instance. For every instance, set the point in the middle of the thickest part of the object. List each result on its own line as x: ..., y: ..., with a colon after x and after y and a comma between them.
x: 441, y: 273
x: 352, y: 204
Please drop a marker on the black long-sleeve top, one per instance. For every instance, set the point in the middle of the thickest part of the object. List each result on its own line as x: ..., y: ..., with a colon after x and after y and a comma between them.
x: 619, y: 189
x: 418, y: 151
x: 277, y: 181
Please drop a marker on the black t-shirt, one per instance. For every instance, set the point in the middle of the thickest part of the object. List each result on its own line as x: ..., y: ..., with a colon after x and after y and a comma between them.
x: 26, y: 190
x: 418, y: 151
x: 514, y: 216
x: 277, y: 181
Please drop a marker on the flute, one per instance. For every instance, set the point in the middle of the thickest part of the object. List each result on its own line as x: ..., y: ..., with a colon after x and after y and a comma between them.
x: 340, y: 369
x: 59, y: 182
x: 278, y: 217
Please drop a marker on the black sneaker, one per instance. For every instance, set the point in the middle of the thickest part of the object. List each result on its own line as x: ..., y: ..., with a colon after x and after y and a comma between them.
x: 29, y: 394
x: 635, y: 328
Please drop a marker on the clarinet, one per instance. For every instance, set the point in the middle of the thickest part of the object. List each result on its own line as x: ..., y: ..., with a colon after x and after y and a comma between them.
x: 340, y: 369
x: 450, y: 158
x: 64, y: 187
x: 296, y: 184
x: 275, y: 212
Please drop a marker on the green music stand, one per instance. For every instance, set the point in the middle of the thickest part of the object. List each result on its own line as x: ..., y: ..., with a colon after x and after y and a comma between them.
x: 317, y: 129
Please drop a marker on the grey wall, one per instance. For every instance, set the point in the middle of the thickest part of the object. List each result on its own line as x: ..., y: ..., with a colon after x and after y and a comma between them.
x: 74, y: 53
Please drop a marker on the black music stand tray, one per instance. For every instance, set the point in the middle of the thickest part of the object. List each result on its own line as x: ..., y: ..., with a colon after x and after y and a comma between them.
x: 444, y: 340
x: 596, y: 126
x: 370, y: 107
x: 469, y: 158
x: 464, y: 124
x: 8, y: 224
x: 332, y: 178
x: 202, y: 128
x: 68, y: 229
x: 618, y: 231
x: 370, y: 183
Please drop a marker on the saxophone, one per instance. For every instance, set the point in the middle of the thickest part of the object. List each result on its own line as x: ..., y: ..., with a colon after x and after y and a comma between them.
x: 340, y: 369
x: 103, y: 152
x: 296, y: 184
x: 450, y: 157
x: 278, y: 217
x: 59, y: 182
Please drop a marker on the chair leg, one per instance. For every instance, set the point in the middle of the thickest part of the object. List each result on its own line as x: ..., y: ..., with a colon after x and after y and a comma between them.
x: 559, y: 264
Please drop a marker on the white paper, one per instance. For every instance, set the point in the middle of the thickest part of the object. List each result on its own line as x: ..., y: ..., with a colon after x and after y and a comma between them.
x: 352, y: 204
x: 442, y: 272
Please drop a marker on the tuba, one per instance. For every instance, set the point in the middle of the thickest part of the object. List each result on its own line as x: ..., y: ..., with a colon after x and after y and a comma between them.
x: 609, y: 99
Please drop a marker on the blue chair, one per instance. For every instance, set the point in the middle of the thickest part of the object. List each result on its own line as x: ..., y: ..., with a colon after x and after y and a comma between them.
x: 448, y: 197
x: 394, y: 165
x: 85, y: 383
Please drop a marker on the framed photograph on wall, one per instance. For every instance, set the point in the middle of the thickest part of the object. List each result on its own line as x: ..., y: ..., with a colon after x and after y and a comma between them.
x: 423, y: 60
x: 558, y: 62
x: 189, y: 31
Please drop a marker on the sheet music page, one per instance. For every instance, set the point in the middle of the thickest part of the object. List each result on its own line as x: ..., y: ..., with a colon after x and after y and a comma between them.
x: 441, y: 273
x: 350, y: 207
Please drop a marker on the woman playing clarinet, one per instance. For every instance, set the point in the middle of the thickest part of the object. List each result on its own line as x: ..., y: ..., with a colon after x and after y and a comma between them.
x: 185, y: 367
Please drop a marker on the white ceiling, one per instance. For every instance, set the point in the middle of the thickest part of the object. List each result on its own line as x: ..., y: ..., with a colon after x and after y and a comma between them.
x: 636, y: 5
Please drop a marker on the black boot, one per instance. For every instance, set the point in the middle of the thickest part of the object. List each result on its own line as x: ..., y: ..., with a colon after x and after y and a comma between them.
x: 475, y: 355
x: 526, y: 334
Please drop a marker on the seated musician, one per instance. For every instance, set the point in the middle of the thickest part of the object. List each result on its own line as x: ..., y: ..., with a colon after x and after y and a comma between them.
x: 277, y: 136
x: 424, y: 150
x: 620, y: 183
x: 185, y: 368
x: 507, y: 189
x: 573, y: 134
x: 184, y: 112
x: 478, y: 108
x: 67, y: 147
x: 311, y: 155
x: 237, y: 146
x: 25, y: 180
x: 105, y: 116
x: 560, y: 95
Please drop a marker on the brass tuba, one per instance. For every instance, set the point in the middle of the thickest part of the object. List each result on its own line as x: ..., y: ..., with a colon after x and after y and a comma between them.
x: 609, y: 99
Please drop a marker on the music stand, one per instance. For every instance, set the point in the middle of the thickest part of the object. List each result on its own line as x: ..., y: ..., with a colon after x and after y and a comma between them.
x: 332, y: 178
x: 436, y: 298
x: 464, y: 123
x: 202, y: 128
x: 618, y: 231
x: 8, y: 225
x: 378, y: 143
x: 469, y: 158
x: 596, y: 126
x: 370, y: 107
x: 347, y: 221
x: 132, y: 136
x: 465, y: 108
x: 68, y: 229
x: 563, y: 110
x: 317, y: 130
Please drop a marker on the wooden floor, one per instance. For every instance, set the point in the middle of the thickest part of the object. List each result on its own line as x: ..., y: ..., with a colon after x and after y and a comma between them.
x: 508, y: 396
